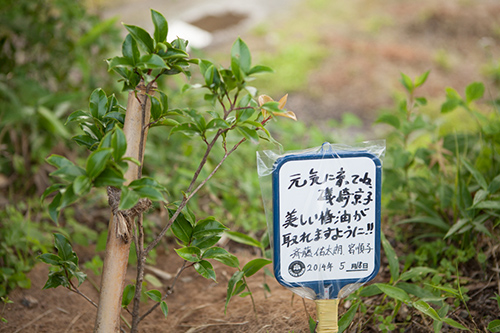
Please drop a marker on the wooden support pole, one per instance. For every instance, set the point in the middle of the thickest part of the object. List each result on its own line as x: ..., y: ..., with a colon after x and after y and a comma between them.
x: 117, y: 250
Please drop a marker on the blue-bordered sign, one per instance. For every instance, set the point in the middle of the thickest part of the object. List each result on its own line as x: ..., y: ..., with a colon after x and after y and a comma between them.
x: 326, y: 227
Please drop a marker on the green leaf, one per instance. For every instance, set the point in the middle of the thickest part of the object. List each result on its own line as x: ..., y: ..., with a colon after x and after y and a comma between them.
x: 189, y: 253
x: 205, y: 269
x: 455, y: 324
x: 425, y: 308
x: 128, y: 295
x: 254, y: 266
x: 118, y: 143
x: 449, y: 105
x: 64, y: 248
x: 154, y: 294
x: 494, y: 186
x: 407, y: 83
x: 151, y: 61
x: 109, y: 177
x: 221, y: 255
x: 164, y: 308
x: 237, y: 276
x: 51, y: 123
x: 394, y: 292
x: 476, y: 174
x: 415, y: 272
x: 421, y: 79
x: 474, y: 91
x: 208, y: 227
x: 50, y: 259
x: 118, y: 62
x: 55, y: 280
x: 182, y: 229
x: 260, y: 69
x: 494, y: 326
x: 128, y: 198
x: 205, y: 242
x: 456, y: 227
x: 488, y: 204
x: 53, y: 207
x: 347, y: 317
x: 79, y: 115
x: 149, y: 192
x: 130, y: 50
x: 249, y: 134
x: 242, y: 238
x: 187, y: 129
x: 389, y: 119
x: 96, y: 163
x: 59, y: 161
x: 156, y: 108
x: 391, y: 257
x: 240, y: 54
x: 68, y: 197
x: 141, y: 37
x: 82, y: 185
x: 161, y: 26
x: 98, y: 102
x: 49, y: 190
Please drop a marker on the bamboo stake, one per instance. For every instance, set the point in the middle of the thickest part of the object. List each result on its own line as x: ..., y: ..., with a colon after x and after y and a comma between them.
x: 327, y: 314
x: 117, y: 250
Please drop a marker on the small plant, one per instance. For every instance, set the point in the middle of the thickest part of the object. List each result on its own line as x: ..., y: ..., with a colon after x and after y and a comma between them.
x: 117, y: 141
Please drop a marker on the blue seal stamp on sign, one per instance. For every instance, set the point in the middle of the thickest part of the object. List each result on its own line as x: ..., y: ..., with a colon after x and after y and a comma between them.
x: 326, y: 220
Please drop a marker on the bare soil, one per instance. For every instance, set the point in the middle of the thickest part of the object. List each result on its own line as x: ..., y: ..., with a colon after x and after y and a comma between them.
x: 452, y: 38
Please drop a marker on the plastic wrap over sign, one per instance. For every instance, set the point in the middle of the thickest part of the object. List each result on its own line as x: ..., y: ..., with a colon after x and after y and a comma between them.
x: 326, y: 219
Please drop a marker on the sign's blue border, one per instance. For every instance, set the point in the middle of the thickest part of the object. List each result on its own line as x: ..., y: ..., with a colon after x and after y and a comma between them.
x: 333, y: 286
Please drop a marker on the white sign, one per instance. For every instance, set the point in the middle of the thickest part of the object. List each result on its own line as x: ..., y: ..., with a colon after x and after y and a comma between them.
x: 326, y: 219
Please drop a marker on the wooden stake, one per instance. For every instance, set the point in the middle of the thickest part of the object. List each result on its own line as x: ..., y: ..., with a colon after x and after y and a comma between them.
x: 117, y: 250
x: 327, y: 314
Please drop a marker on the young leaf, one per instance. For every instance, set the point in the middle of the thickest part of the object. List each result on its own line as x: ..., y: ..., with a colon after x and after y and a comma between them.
x: 205, y: 269
x: 141, y: 37
x: 54, y: 207
x: 394, y: 292
x: 474, y: 91
x: 128, y: 295
x: 208, y: 227
x: 476, y: 174
x: 240, y: 55
x: 425, y: 308
x: 151, y: 61
x: 189, y: 253
x: 242, y: 238
x: 64, y: 248
x: 98, y: 102
x: 59, y: 161
x: 96, y: 163
x: 389, y: 119
x: 421, y: 79
x: 161, y: 26
x: 222, y: 256
x: 254, y: 266
x: 82, y: 185
x: 164, y: 308
x: 392, y: 257
x: 50, y: 259
x: 182, y: 229
x: 347, y: 317
x: 407, y: 83
x: 237, y: 276
x: 118, y: 143
x: 128, y: 198
x: 154, y: 294
x: 130, y: 50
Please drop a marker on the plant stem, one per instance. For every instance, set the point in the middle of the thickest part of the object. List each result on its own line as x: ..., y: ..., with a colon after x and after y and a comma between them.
x: 141, y: 260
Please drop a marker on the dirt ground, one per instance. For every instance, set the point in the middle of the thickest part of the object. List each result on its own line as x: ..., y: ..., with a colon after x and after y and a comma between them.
x: 455, y: 39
